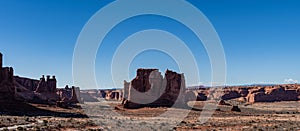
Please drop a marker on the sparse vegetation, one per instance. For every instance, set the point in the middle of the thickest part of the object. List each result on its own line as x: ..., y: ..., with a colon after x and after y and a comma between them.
x: 261, y: 116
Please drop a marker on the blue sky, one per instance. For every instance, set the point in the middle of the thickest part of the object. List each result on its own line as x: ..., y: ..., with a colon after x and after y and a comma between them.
x: 260, y: 38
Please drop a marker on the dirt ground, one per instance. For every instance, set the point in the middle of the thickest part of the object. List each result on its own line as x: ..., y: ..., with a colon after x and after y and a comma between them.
x: 103, y: 116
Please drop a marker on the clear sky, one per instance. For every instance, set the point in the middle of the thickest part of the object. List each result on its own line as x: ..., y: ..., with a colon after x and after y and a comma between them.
x: 261, y: 39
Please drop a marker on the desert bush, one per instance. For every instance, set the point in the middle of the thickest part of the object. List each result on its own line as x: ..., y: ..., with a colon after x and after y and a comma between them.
x: 5, y: 129
x: 21, y: 129
x: 59, y: 126
x: 45, y: 122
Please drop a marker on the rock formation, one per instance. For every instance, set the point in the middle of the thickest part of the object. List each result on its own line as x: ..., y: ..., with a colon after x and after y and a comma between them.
x: 273, y: 94
x: 114, y: 95
x: 69, y: 96
x: 43, y: 91
x: 65, y: 92
x: 150, y: 89
x: 107, y: 94
x: 1, y: 60
x: 236, y: 109
x: 23, y: 84
x: 75, y: 98
x: 223, y: 103
x: 47, y: 86
x: 231, y: 94
x: 252, y: 94
x: 7, y: 87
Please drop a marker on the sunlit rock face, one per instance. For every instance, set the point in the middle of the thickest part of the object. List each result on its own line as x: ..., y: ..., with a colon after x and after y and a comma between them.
x: 150, y: 89
x: 114, y: 95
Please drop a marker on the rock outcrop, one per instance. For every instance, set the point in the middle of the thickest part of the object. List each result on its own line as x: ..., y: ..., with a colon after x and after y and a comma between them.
x: 252, y: 94
x: 69, y: 97
x: 194, y: 95
x: 24, y: 90
x: 22, y: 84
x: 231, y: 94
x: 44, y: 93
x: 107, y: 94
x: 7, y: 87
x: 47, y: 86
x: 114, y: 95
x: 223, y: 103
x: 273, y: 94
x: 75, y: 98
x: 236, y: 109
x: 150, y: 89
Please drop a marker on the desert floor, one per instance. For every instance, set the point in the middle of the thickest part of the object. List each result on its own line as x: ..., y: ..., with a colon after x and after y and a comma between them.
x: 103, y: 116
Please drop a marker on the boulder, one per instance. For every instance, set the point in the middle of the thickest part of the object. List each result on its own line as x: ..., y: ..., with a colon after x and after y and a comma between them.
x: 223, y: 103
x: 236, y: 109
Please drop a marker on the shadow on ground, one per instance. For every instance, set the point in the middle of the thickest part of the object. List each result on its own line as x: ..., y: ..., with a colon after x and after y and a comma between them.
x: 16, y: 108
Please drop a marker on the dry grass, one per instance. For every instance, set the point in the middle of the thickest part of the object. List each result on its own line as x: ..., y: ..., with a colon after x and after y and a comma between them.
x: 261, y: 116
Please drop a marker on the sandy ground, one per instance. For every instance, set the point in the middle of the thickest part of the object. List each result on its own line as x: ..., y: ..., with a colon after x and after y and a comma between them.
x: 103, y: 116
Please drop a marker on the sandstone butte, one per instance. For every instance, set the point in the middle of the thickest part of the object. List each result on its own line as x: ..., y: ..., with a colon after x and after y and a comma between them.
x: 148, y: 89
x: 15, y: 89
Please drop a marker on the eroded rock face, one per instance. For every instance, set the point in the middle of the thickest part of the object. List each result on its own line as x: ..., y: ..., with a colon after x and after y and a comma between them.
x: 222, y: 102
x: 7, y: 87
x: 252, y: 94
x: 232, y: 94
x: 114, y: 95
x: 65, y: 92
x: 47, y: 86
x: 150, y: 89
x: 273, y: 94
x: 23, y: 84
x: 236, y: 109
x: 43, y: 91
x: 69, y: 96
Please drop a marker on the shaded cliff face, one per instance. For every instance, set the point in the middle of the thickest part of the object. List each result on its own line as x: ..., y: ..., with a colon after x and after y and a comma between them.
x: 274, y: 94
x: 7, y: 87
x: 23, y: 84
x: 150, y: 89
x: 43, y: 91
x: 141, y: 82
x: 47, y: 85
